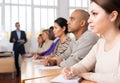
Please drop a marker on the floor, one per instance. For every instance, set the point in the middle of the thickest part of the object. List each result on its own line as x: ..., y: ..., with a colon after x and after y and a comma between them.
x: 7, y: 78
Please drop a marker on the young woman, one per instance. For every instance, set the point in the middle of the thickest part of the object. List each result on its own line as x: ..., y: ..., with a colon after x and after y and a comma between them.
x: 105, y: 55
x: 40, y: 44
x: 53, y: 45
x: 47, y: 41
x: 60, y: 31
x: 46, y: 45
x: 40, y: 41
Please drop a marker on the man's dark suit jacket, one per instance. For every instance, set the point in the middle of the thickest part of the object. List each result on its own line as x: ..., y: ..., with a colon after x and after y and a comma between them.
x: 17, y: 46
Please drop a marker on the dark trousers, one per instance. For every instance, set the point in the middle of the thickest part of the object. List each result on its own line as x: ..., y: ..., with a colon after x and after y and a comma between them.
x: 16, y: 58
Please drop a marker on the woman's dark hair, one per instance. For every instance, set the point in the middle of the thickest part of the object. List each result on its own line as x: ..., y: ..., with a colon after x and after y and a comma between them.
x: 109, y: 6
x: 51, y: 34
x: 62, y: 22
x: 40, y: 35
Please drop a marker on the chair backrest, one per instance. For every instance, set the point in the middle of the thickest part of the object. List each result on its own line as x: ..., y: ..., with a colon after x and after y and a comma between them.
x: 7, y: 65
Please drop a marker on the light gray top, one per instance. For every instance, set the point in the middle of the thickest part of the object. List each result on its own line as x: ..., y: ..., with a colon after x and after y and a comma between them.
x: 78, y: 49
x: 106, y: 63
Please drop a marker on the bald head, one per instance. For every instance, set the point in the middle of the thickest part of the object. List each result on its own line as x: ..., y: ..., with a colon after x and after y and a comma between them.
x: 82, y: 14
x: 77, y: 22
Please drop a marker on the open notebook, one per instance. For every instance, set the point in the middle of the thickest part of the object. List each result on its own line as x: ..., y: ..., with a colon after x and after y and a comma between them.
x: 60, y: 79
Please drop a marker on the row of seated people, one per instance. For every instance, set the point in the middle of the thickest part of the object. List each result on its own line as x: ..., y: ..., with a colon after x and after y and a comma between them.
x: 45, y: 42
x: 104, y: 56
x: 62, y: 50
x: 53, y: 41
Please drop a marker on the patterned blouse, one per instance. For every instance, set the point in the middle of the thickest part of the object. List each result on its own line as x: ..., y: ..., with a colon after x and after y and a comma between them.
x: 62, y: 47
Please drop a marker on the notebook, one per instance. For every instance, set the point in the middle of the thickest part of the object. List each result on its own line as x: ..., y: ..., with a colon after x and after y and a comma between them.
x: 42, y: 67
x: 60, y: 79
x: 38, y: 60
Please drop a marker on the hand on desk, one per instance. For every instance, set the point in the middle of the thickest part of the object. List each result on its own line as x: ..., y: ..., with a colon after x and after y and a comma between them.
x: 36, y: 57
x: 68, y: 73
x: 50, y: 62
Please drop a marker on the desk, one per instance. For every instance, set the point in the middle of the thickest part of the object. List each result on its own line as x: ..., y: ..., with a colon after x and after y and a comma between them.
x: 42, y: 80
x: 7, y: 63
x: 6, y: 54
x: 29, y: 74
x: 85, y: 81
x: 48, y: 80
x: 28, y: 70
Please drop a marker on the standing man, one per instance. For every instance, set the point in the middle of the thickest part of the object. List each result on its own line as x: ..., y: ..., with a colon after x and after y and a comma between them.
x: 18, y: 37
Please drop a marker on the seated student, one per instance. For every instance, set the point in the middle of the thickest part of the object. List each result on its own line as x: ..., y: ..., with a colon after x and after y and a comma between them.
x: 53, y: 45
x: 60, y: 31
x: 39, y: 55
x: 51, y: 33
x: 105, y: 55
x: 40, y: 41
x: 47, y: 42
x: 50, y: 50
x: 40, y: 44
x: 85, y: 39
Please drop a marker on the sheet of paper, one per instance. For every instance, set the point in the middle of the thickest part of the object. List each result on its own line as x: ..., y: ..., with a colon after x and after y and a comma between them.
x: 60, y: 79
x: 38, y: 60
x: 42, y: 67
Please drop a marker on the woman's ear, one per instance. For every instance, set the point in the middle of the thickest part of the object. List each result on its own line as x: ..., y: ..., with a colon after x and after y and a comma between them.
x: 64, y: 28
x: 82, y: 23
x: 113, y: 16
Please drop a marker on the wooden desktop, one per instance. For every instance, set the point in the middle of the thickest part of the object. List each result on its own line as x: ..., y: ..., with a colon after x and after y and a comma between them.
x: 30, y: 74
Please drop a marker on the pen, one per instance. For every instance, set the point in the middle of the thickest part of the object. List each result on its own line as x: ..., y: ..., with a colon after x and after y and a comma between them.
x: 70, y: 73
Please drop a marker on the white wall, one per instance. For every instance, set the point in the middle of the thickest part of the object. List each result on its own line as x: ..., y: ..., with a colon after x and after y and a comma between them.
x: 5, y: 45
x: 31, y: 45
x: 63, y: 8
x: 62, y: 11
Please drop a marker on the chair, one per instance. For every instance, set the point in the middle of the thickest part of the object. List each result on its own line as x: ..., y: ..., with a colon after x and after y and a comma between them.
x: 7, y: 65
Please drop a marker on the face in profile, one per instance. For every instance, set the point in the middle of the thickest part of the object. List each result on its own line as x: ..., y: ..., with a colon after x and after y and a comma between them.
x: 58, y: 31
x: 44, y: 35
x: 40, y: 39
x: 99, y: 19
x: 74, y: 22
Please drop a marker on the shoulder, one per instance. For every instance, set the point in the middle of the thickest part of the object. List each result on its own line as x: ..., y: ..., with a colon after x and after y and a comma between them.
x: 68, y: 39
x: 100, y: 42
x: 89, y: 35
x: 50, y: 41
x: 13, y: 31
x: 22, y: 31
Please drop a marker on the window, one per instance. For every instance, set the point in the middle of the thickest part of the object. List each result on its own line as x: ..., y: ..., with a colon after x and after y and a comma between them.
x: 33, y: 15
x: 0, y: 1
x: 44, y: 14
x: 77, y: 4
x: 0, y: 17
